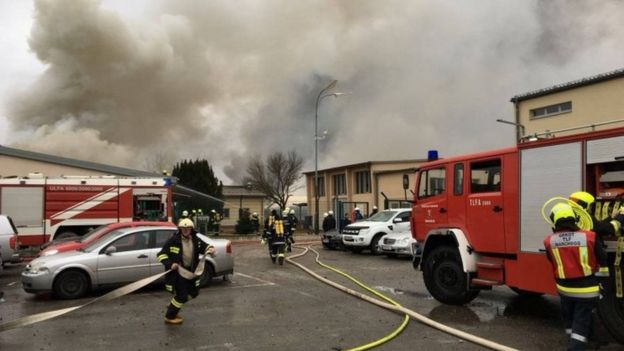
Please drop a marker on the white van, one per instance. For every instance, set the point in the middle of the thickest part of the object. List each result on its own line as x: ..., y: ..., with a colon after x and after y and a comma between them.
x: 7, y: 231
x: 365, y: 234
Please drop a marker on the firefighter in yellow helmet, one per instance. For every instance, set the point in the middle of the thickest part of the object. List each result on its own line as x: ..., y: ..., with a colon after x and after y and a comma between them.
x: 275, y: 229
x: 181, y: 255
x: 576, y: 257
x: 605, y: 228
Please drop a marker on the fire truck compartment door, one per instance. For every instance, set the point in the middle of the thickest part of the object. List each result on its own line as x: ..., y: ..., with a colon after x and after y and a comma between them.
x: 24, y: 205
x: 605, y: 150
x: 545, y: 172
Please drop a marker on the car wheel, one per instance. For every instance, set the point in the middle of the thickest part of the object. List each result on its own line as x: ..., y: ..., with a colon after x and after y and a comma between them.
x: 71, y: 284
x: 206, y: 278
x: 445, y: 278
x: 374, y: 246
x: 65, y: 235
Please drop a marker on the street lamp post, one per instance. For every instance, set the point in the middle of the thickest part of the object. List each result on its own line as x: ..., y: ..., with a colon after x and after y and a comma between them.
x: 320, y: 97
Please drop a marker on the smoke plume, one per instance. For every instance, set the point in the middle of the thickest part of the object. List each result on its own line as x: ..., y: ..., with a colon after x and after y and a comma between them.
x: 227, y: 80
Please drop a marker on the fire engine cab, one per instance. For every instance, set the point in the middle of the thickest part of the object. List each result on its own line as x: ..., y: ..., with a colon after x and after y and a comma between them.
x: 478, y: 218
x: 45, y: 208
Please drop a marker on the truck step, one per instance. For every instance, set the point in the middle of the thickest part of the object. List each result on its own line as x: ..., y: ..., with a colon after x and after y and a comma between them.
x: 485, y: 282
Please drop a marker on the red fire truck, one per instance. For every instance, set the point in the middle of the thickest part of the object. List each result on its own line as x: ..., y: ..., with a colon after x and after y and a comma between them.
x: 45, y: 208
x: 478, y: 218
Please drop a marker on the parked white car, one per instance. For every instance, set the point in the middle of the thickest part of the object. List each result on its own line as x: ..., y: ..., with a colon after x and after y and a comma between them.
x: 366, y: 234
x: 397, y: 244
x: 7, y: 232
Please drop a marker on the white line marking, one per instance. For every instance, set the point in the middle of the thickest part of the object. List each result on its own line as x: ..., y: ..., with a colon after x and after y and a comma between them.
x: 254, y: 278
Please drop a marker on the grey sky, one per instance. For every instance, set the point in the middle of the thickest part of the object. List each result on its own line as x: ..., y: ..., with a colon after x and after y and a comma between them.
x: 130, y: 82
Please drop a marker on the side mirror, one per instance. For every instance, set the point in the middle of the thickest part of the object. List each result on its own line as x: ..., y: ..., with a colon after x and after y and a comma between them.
x: 110, y: 250
x: 397, y: 220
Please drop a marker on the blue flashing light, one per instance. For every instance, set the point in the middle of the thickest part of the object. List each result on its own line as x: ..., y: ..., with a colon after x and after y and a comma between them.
x: 432, y: 155
x: 168, y: 181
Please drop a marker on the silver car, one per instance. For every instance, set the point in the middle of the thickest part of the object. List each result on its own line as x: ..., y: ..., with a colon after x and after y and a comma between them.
x: 396, y: 244
x: 7, y: 232
x: 121, y: 256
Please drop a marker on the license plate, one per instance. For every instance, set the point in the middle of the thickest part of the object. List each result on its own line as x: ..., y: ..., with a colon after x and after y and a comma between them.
x: 326, y: 240
x: 386, y: 247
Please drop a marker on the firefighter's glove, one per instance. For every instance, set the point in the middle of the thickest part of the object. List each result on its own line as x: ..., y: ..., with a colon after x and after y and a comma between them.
x: 263, y: 241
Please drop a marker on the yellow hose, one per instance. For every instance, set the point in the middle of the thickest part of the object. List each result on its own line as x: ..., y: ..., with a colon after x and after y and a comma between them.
x: 400, y: 309
x: 585, y: 221
x: 382, y: 296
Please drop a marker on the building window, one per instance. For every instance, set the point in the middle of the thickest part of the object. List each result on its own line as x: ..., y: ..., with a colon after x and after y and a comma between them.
x: 485, y: 176
x: 431, y: 182
x: 226, y: 213
x: 362, y: 182
x: 551, y: 110
x: 321, y: 186
x: 340, y: 184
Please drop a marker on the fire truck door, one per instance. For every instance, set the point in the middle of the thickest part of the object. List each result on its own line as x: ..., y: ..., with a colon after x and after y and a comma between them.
x: 432, y: 205
x: 484, y: 207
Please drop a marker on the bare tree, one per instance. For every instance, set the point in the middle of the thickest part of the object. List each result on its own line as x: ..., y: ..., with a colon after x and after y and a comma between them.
x: 276, y: 177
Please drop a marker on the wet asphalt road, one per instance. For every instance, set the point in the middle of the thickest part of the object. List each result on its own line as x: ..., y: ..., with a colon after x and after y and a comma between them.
x: 270, y: 307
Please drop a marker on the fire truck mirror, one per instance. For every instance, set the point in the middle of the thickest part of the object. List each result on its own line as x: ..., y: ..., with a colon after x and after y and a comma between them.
x: 405, y: 182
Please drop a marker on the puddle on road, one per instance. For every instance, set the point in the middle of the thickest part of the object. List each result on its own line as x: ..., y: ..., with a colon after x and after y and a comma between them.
x: 484, y: 310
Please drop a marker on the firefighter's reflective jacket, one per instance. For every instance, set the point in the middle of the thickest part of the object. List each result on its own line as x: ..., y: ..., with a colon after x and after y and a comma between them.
x: 577, y: 260
x: 172, y: 253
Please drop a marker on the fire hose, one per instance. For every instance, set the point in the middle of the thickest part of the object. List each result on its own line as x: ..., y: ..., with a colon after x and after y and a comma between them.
x: 396, y: 308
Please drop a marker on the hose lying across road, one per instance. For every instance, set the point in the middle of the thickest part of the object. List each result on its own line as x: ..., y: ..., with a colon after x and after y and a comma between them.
x: 393, y: 306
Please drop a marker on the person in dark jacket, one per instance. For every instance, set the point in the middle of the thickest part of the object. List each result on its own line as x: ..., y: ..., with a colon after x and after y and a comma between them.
x: 329, y: 222
x: 576, y: 258
x: 180, y: 255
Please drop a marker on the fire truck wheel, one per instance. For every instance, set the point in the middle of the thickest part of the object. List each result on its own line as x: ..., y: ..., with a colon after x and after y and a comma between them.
x: 65, y: 235
x: 611, y: 311
x: 71, y: 284
x: 206, y: 278
x: 445, y: 278
x: 374, y: 246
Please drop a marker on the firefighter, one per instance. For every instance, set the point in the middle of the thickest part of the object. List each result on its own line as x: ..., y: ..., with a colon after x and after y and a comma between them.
x: 605, y: 228
x: 275, y: 231
x: 575, y: 256
x: 216, y: 221
x: 182, y: 250
x: 374, y: 212
x: 287, y: 218
x: 255, y: 222
x: 329, y: 222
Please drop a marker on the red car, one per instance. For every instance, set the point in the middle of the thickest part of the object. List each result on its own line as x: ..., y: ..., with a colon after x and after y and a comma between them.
x: 61, y: 246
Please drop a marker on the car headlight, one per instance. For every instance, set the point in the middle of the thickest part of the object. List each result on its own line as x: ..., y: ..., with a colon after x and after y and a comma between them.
x: 364, y: 231
x: 49, y: 253
x: 36, y: 269
x: 404, y: 241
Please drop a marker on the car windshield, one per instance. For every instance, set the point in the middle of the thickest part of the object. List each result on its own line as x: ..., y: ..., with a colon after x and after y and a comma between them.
x: 93, y: 234
x: 106, y: 237
x: 383, y: 216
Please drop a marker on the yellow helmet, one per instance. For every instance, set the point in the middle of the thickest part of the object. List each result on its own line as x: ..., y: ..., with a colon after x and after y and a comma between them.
x: 584, y: 199
x: 185, y: 223
x: 561, y: 211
